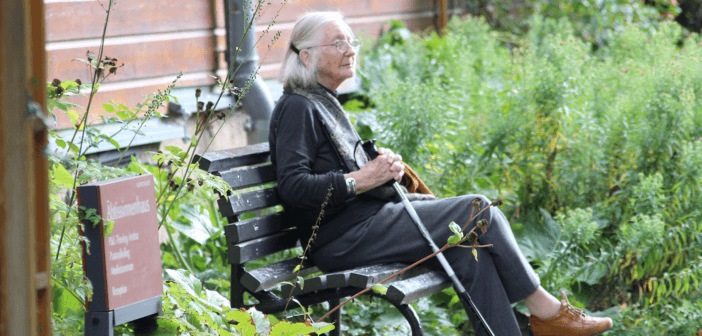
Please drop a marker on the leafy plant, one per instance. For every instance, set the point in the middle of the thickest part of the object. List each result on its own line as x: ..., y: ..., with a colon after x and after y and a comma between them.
x: 185, y: 198
x: 597, y: 152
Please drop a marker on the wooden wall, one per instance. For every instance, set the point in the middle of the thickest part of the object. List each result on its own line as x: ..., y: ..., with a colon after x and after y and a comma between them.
x: 25, y: 292
x: 157, y: 39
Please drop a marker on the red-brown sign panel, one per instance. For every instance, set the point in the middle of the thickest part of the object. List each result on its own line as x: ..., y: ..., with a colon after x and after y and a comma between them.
x: 130, y: 253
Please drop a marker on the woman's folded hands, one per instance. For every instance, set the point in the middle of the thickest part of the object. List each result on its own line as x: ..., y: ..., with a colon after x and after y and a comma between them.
x: 385, y: 167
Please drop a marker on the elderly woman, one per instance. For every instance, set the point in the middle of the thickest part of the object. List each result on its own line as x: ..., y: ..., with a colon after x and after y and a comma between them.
x: 315, y: 147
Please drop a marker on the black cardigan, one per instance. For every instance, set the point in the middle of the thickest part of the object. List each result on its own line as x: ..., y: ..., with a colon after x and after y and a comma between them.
x: 306, y: 165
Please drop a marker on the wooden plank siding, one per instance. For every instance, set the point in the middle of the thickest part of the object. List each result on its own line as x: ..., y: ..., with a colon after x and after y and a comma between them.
x: 157, y: 39
x: 25, y: 292
x: 130, y: 93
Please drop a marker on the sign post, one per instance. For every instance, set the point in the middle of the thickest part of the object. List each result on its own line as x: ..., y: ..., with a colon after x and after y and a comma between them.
x: 124, y: 265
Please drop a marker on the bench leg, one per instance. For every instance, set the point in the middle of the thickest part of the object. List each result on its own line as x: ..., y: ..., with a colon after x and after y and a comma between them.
x: 412, y: 318
x: 336, y: 317
x: 236, y: 294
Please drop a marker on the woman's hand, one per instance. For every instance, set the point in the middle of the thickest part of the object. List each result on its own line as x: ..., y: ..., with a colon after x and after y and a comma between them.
x: 385, y: 167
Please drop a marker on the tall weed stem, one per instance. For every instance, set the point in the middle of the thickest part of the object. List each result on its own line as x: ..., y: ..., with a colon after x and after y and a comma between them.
x: 84, y: 122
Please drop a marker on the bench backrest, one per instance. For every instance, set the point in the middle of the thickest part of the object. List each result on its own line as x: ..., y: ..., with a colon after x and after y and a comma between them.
x: 250, y: 174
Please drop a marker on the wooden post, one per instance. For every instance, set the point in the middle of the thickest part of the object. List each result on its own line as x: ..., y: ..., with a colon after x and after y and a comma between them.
x: 42, y: 247
x: 442, y: 17
x: 25, y: 293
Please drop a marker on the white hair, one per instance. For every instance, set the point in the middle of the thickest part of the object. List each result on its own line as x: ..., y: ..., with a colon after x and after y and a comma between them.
x: 306, y: 33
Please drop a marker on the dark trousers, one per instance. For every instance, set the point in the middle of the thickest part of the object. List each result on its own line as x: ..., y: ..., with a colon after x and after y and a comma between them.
x: 501, y: 275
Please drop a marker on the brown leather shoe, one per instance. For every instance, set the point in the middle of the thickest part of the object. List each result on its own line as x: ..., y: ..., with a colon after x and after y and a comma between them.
x: 569, y: 321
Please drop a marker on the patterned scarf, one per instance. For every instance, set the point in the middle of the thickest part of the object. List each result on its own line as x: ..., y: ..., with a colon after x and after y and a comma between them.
x: 347, y: 143
x: 343, y: 135
x: 337, y: 127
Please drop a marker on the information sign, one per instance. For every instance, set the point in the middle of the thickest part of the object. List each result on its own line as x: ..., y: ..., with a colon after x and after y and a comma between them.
x: 124, y: 266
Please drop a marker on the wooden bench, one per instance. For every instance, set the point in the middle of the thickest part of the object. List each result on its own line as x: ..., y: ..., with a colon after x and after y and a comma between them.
x: 264, y: 235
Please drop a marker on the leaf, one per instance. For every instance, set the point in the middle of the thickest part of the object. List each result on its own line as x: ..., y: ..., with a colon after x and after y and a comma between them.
x: 82, y: 60
x: 112, y: 141
x: 194, y: 223
x: 379, y: 289
x: 60, y: 143
x: 456, y: 238
x: 285, y: 328
x: 109, y: 225
x: 301, y: 281
x: 62, y: 177
x: 354, y: 105
x: 592, y: 277
x: 173, y: 149
x: 74, y: 117
x: 244, y: 319
x: 123, y: 115
x: 455, y: 228
x: 323, y: 327
x: 60, y: 104
x: 538, y: 235
x: 215, y: 299
x: 475, y: 254
x: 73, y: 148
x: 263, y: 325
x: 69, y: 85
x: 186, y: 280
x: 63, y: 301
x: 297, y: 268
x: 108, y: 108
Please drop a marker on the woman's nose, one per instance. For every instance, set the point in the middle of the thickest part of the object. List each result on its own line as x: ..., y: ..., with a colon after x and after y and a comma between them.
x: 350, y: 52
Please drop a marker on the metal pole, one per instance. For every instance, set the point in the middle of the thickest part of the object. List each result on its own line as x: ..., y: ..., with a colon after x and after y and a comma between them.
x: 257, y: 102
x: 462, y: 293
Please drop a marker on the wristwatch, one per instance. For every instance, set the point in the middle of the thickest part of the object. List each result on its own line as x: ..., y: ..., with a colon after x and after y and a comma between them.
x: 350, y: 186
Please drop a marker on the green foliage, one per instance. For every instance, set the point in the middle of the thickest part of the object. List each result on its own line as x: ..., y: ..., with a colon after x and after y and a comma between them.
x: 678, y: 316
x: 457, y: 234
x: 195, y: 310
x: 592, y: 21
x: 441, y: 315
x: 597, y: 154
x: 596, y: 21
x: 194, y: 258
x: 186, y: 206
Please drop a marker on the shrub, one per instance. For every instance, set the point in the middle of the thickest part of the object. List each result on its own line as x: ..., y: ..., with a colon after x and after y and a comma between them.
x: 605, y: 142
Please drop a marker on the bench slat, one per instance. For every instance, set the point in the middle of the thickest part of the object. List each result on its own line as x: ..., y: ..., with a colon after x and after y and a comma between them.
x: 412, y: 289
x: 338, y: 279
x: 248, y: 176
x: 261, y: 247
x: 309, y: 285
x: 249, y: 201
x: 371, y: 275
x: 361, y: 277
x: 233, y: 158
x: 268, y: 276
x: 255, y: 228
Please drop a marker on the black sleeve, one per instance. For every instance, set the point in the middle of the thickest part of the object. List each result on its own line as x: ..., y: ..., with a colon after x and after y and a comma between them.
x: 297, y: 139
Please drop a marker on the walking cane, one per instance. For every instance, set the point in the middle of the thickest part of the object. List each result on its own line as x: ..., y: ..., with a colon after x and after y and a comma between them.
x: 372, y: 151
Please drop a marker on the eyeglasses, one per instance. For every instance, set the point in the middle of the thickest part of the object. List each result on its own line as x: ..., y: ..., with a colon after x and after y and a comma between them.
x: 342, y: 45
